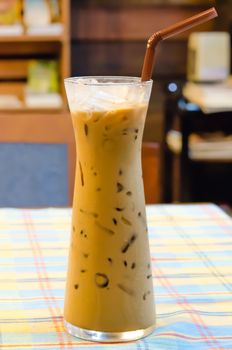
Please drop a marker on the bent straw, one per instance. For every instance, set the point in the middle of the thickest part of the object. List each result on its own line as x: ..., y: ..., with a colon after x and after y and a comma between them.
x: 168, y: 32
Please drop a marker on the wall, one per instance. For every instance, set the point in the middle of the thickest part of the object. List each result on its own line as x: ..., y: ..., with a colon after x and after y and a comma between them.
x: 110, y: 38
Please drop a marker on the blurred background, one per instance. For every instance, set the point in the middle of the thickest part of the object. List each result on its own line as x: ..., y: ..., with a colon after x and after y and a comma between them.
x: 189, y: 124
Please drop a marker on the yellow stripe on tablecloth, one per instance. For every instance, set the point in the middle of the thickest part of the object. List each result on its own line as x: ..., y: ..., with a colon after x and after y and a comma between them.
x: 53, y: 245
x: 12, y: 314
x: 216, y: 307
x: 21, y: 264
x: 176, y: 249
x: 194, y: 240
x: 193, y: 281
x: 20, y: 231
x: 181, y: 247
x: 166, y: 308
x: 25, y: 274
x: 186, y: 221
x: 166, y: 270
x: 63, y: 244
x: 189, y: 313
x: 30, y: 327
x: 31, y: 285
x: 186, y: 318
x: 29, y: 313
x: 29, y: 253
x: 57, y: 220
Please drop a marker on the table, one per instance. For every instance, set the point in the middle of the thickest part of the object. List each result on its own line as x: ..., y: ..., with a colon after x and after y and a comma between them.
x: 191, y: 248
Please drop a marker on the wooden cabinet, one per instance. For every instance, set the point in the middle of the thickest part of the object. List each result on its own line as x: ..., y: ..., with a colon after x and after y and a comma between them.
x: 43, y: 130
x: 16, y: 51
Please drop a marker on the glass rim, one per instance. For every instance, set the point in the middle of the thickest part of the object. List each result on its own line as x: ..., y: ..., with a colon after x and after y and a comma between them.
x: 108, y: 80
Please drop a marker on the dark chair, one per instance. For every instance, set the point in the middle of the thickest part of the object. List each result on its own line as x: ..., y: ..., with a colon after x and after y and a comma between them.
x: 151, y: 171
x: 37, y: 157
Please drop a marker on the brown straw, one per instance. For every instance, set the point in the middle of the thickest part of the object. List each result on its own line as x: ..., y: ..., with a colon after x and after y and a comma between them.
x: 167, y: 33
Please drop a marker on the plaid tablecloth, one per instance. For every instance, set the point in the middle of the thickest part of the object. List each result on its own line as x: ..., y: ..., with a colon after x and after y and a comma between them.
x: 191, y: 249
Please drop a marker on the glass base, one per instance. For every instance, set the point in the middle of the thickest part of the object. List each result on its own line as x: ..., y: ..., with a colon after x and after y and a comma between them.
x: 91, y: 335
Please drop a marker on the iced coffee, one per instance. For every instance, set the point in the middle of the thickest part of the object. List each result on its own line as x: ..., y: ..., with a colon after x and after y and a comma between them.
x: 109, y: 282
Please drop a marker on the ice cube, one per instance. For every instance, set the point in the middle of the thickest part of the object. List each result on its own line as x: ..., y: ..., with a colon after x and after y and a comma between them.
x: 88, y: 94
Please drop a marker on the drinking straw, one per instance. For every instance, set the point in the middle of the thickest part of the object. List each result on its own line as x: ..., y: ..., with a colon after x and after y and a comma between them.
x: 168, y: 32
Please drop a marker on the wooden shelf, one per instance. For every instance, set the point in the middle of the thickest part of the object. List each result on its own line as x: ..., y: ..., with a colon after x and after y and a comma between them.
x: 17, y: 50
x: 31, y: 38
x: 27, y: 110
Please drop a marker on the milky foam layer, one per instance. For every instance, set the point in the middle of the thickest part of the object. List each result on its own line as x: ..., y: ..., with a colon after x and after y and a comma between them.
x: 90, y: 95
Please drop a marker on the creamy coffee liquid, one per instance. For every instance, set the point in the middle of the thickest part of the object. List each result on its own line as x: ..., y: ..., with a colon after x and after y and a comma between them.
x: 109, y: 283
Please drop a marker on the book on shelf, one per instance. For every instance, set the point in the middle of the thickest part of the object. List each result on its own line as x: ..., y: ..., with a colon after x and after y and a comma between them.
x: 54, y: 7
x: 51, y: 100
x: 42, y: 17
x: 10, y: 17
x: 211, y: 98
x: 10, y: 101
x: 211, y: 146
x: 43, y: 76
x: 13, y: 29
x: 10, y: 12
x: 42, y: 89
x: 49, y: 29
x: 36, y: 13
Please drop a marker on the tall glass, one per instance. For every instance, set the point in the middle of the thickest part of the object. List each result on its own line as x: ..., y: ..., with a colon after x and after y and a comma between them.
x: 109, y: 291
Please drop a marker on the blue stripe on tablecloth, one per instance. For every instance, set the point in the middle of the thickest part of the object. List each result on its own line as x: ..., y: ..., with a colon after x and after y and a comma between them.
x: 30, y: 304
x: 187, y: 327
